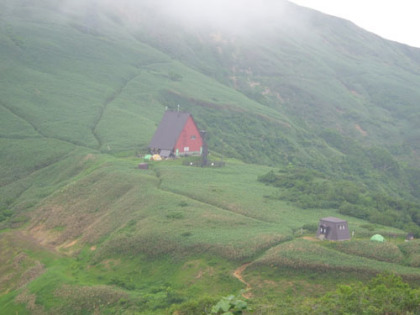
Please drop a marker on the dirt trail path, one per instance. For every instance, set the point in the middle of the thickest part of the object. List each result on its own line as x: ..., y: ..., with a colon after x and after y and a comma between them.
x: 238, y: 275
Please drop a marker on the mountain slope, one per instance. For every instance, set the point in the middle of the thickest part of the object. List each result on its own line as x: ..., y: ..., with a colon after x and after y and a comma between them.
x: 321, y: 71
x: 83, y: 86
x: 310, y: 74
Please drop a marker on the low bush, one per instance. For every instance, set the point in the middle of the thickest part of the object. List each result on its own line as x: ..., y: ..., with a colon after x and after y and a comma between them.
x: 310, y: 227
x: 385, y: 294
x: 194, y: 307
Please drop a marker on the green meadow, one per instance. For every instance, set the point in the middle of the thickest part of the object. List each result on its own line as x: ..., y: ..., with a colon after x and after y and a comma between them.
x: 115, y: 238
x: 306, y: 126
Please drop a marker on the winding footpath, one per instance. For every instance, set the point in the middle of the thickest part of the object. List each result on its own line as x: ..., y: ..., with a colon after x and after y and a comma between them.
x: 247, y: 294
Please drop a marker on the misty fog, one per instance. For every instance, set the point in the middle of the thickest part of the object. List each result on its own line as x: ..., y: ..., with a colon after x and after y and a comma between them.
x: 235, y: 16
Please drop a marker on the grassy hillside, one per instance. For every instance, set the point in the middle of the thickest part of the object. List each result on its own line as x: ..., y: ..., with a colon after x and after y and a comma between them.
x: 338, y: 74
x: 83, y: 86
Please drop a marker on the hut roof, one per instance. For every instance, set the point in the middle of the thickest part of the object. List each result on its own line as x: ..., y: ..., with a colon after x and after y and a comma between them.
x: 169, y: 130
x: 333, y: 220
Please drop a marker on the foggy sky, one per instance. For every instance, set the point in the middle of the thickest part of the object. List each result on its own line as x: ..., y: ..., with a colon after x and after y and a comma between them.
x: 234, y: 15
x: 392, y: 19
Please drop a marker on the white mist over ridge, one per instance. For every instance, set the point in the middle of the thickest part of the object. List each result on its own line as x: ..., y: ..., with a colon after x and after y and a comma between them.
x: 394, y: 20
x: 228, y: 15
x: 225, y: 13
x: 390, y: 19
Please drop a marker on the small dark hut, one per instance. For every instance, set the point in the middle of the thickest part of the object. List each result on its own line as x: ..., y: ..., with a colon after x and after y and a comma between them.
x: 176, y: 135
x: 409, y: 237
x: 333, y: 229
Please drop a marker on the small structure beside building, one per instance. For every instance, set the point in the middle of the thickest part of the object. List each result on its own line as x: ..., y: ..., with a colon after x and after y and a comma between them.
x: 176, y: 135
x: 333, y: 229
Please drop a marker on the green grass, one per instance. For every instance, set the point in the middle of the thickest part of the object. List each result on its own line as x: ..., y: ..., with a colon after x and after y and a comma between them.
x: 387, y: 251
x: 411, y: 250
x: 148, y: 233
x: 185, y: 236
x: 81, y: 93
x: 64, y: 284
x: 22, y: 157
x: 308, y: 254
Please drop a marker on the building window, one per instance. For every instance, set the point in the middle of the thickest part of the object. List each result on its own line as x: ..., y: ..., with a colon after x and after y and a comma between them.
x: 186, y: 149
x: 193, y: 137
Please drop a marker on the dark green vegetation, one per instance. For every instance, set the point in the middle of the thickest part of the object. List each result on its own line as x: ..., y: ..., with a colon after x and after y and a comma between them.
x: 324, y: 112
x: 385, y: 294
x: 308, y: 189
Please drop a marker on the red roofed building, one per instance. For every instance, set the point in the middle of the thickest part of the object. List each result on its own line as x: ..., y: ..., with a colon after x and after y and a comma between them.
x: 176, y: 135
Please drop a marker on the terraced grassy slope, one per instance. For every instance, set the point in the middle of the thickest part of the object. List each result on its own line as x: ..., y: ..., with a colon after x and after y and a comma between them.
x: 82, y: 88
x: 117, y: 238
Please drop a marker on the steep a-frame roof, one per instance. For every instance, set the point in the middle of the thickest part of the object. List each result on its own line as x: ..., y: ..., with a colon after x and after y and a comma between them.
x: 169, y: 129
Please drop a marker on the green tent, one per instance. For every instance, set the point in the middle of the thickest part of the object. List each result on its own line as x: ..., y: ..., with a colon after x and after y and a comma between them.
x: 377, y: 238
x: 148, y: 157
